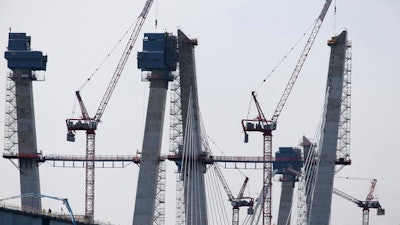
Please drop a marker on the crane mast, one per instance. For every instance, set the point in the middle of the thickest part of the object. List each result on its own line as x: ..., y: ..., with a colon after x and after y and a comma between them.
x: 89, y: 124
x: 261, y: 124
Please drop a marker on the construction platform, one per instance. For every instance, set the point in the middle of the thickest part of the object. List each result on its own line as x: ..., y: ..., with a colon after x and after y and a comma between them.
x: 12, y: 215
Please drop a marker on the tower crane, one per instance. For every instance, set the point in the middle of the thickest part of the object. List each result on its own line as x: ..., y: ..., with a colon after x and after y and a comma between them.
x: 239, y: 201
x: 369, y: 202
x: 89, y: 124
x: 261, y: 124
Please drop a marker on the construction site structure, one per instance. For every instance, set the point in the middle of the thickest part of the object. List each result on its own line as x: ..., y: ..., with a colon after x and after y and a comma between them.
x: 37, y: 195
x: 320, y: 206
x: 236, y: 202
x: 158, y: 59
x: 288, y: 179
x: 111, y: 161
x: 193, y: 208
x: 304, y: 189
x: 20, y: 130
x: 176, y: 134
x: 15, y: 216
x: 89, y: 124
x: 369, y: 203
x: 261, y: 124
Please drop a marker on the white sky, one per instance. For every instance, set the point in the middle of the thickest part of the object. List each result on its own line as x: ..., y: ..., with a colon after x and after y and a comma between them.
x: 240, y: 42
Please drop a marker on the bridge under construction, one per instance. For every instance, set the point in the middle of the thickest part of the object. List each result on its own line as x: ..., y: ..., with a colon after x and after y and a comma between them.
x: 167, y: 63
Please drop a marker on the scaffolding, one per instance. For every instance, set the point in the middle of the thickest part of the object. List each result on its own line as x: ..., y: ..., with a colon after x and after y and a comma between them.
x: 10, y: 120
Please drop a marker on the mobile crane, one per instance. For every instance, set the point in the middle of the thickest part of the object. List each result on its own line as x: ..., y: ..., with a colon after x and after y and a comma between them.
x: 369, y: 202
x: 261, y: 124
x: 89, y: 124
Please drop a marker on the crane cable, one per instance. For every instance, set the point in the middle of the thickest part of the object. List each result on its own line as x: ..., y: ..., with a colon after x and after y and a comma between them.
x: 236, y: 168
x: 285, y: 56
x: 354, y: 178
x: 156, y: 19
x: 334, y: 17
x: 101, y: 63
x: 279, y: 63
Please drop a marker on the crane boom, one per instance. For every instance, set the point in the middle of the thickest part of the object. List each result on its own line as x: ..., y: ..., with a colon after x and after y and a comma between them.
x: 259, y: 110
x: 370, y: 195
x: 365, y: 205
x: 237, y: 202
x: 241, y: 192
x: 38, y: 195
x: 123, y: 60
x: 85, y: 114
x: 301, y: 61
x: 223, y: 182
x: 346, y: 196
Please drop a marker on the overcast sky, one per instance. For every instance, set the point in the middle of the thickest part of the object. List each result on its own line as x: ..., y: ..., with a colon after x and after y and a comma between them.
x: 240, y: 42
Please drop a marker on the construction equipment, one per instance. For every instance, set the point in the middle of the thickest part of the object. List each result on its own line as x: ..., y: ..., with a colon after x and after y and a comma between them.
x: 38, y: 195
x: 265, y: 126
x: 369, y: 202
x: 239, y: 201
x: 261, y: 124
x: 89, y: 124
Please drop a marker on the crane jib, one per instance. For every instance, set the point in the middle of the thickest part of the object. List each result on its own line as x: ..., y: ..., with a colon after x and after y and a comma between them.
x: 301, y: 61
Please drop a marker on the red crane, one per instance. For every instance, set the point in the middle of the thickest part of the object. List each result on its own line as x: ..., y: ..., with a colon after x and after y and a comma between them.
x: 369, y: 202
x: 261, y: 124
x: 239, y: 201
x: 89, y: 124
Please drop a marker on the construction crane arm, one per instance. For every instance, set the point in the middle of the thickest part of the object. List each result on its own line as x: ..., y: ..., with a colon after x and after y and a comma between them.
x: 259, y: 110
x: 370, y: 195
x: 123, y: 60
x: 223, y: 182
x: 241, y: 192
x: 64, y: 201
x: 347, y: 197
x: 301, y: 61
x: 85, y: 114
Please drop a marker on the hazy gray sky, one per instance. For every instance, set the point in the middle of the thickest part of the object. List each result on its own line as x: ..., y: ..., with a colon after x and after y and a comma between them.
x: 240, y: 42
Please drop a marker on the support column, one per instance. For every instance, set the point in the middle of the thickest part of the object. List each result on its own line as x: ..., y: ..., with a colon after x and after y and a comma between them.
x: 29, y: 168
x: 22, y: 61
x: 320, y: 208
x: 147, y: 182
